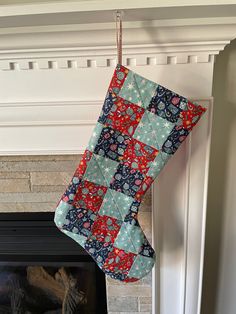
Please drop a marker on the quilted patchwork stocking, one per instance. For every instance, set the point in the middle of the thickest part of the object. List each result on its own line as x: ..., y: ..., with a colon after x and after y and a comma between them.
x: 140, y: 127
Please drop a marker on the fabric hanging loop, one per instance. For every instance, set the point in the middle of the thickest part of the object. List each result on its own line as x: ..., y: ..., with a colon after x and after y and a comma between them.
x: 119, y: 36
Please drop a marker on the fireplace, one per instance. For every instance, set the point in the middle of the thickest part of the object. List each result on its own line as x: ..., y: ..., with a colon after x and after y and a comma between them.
x: 44, y: 271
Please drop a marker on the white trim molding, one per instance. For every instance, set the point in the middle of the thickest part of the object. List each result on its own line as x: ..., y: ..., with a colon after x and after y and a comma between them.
x: 42, y: 48
x: 81, y: 34
x: 179, y: 223
x: 41, y: 125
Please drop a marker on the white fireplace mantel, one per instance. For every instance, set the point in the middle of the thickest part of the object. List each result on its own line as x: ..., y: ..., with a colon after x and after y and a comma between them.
x: 51, y: 53
x: 56, y: 61
x: 81, y: 34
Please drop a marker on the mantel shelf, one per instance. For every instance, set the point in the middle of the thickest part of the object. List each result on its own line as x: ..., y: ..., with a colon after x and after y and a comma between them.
x: 68, y: 28
x: 100, y: 10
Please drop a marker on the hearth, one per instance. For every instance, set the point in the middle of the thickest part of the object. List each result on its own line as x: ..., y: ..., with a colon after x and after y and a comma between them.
x: 42, y: 271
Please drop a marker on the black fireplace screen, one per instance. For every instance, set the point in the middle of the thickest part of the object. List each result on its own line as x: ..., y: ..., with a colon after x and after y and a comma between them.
x: 44, y: 272
x: 49, y: 288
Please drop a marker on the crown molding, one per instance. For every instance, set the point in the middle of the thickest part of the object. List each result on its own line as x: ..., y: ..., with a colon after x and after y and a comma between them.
x: 47, y: 30
x: 88, y: 57
x: 189, y: 41
x: 81, y: 34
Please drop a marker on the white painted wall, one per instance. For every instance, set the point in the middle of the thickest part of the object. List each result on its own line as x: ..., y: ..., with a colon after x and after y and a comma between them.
x: 219, y: 288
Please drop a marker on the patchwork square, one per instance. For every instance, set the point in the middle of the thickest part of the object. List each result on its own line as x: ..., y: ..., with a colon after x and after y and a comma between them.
x: 146, y: 249
x: 124, y: 116
x: 145, y: 185
x: 137, y: 89
x: 79, y: 221
x: 113, y: 275
x: 174, y: 140
x: 131, y: 217
x: 115, y: 204
x: 153, y: 130
x: 62, y: 210
x: 98, y: 250
x: 69, y: 194
x: 191, y: 116
x: 167, y: 104
x: 127, y: 180
x: 89, y: 196
x: 106, y: 108
x: 135, y: 206
x: 141, y: 266
x: 111, y: 143
x: 139, y: 156
x: 118, y: 79
x: 100, y: 170
x: 119, y: 262
x: 106, y: 228
x: 80, y: 170
x: 130, y: 279
x: 129, y: 238
x: 158, y: 163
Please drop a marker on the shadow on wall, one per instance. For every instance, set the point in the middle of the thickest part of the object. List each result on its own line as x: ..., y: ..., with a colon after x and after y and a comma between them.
x: 218, y: 286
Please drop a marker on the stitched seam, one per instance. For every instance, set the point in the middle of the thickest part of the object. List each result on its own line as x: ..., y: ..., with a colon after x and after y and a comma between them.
x: 159, y: 148
x: 108, y: 183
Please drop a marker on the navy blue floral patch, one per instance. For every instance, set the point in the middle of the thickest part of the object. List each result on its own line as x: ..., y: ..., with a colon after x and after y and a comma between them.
x: 167, y: 104
x: 98, y: 250
x: 106, y: 108
x: 111, y: 144
x: 79, y: 221
x: 115, y: 275
x: 127, y: 180
x: 146, y: 249
x: 70, y: 192
x: 131, y: 217
x: 174, y: 140
x: 135, y: 206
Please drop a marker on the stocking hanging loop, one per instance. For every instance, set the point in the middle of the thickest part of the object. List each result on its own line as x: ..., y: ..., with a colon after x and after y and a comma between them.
x: 118, y: 16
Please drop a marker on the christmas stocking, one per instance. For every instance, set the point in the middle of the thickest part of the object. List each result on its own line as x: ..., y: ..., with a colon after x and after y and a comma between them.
x: 140, y: 127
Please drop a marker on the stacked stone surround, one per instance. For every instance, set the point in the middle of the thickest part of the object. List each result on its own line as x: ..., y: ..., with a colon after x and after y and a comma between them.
x: 36, y: 183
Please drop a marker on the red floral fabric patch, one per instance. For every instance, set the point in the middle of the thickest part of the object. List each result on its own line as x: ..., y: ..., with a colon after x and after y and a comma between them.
x: 146, y: 183
x: 89, y: 196
x: 119, y: 261
x: 132, y: 279
x: 118, y: 79
x: 106, y: 228
x: 125, y: 116
x: 191, y: 116
x: 139, y: 156
x: 80, y: 171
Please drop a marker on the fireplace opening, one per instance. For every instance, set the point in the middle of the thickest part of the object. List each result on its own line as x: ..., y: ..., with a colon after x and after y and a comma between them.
x: 42, y: 271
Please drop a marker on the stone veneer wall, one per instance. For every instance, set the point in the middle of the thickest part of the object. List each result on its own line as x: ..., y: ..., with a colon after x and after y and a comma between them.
x: 35, y: 183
